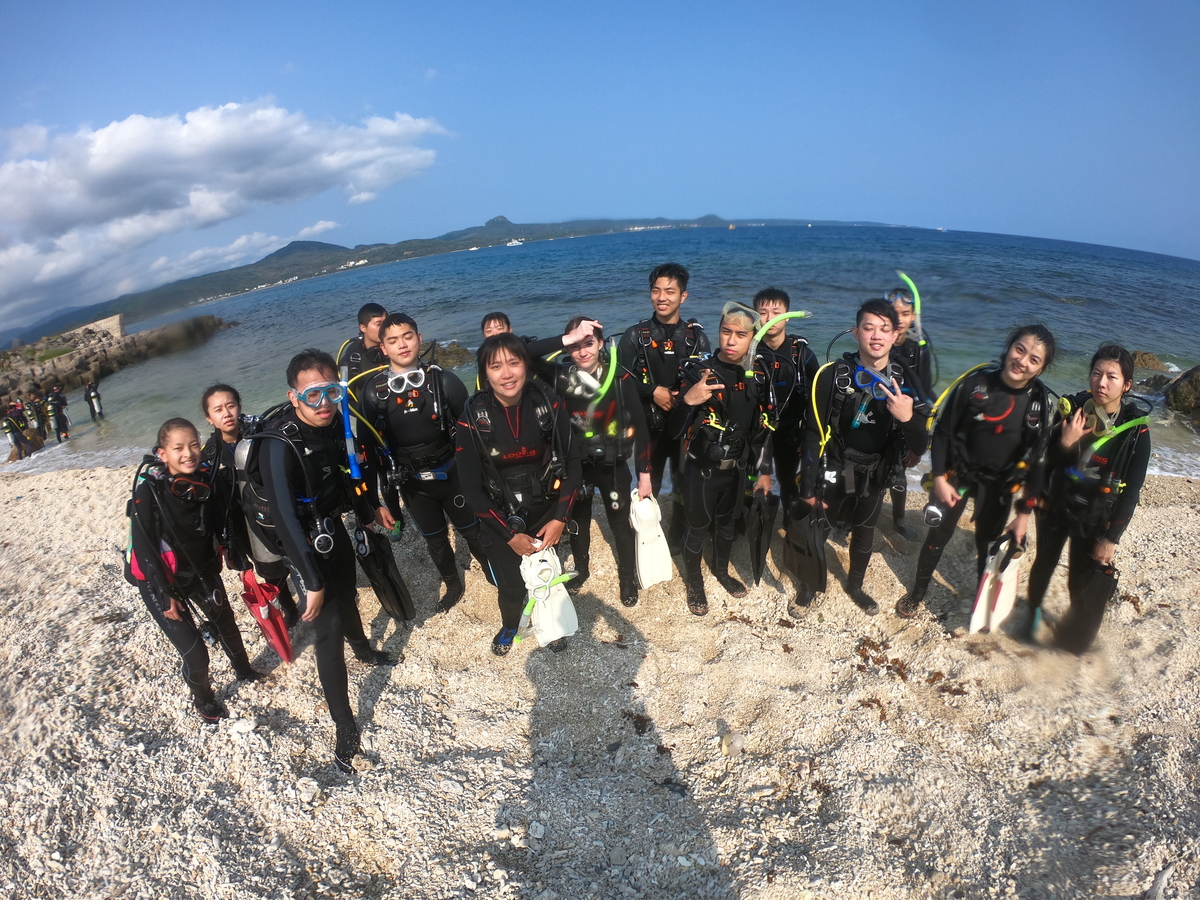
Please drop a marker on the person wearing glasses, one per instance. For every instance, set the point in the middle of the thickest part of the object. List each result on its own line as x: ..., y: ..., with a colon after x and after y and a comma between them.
x: 520, y: 470
x: 989, y: 442
x: 222, y: 407
x: 176, y: 565
x: 410, y: 410
x: 1096, y: 465
x: 914, y: 348
x: 303, y: 463
x: 865, y: 412
x: 605, y: 410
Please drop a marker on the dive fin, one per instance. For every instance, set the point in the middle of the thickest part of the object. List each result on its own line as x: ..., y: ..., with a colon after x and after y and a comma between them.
x: 263, y: 602
x: 804, y: 546
x: 379, y: 565
x: 1079, y: 627
x: 760, y: 529
x: 997, y: 592
x: 549, y: 612
x: 653, y: 553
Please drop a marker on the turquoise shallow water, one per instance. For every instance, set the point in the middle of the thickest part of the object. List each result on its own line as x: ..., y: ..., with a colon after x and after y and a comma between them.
x: 974, y: 287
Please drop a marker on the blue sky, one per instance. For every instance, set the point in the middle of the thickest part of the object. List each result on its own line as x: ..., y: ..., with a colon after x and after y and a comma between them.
x: 151, y: 141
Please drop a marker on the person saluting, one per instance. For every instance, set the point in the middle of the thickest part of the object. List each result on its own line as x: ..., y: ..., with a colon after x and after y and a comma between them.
x: 610, y: 427
x: 520, y: 469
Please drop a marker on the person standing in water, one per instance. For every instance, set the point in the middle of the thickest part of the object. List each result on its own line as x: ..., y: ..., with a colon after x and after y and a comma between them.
x: 56, y: 409
x: 989, y: 443
x: 91, y: 394
x: 176, y: 566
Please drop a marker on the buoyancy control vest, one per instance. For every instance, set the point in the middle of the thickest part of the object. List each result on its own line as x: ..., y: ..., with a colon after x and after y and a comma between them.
x: 521, y: 489
x: 597, y: 408
x: 426, y: 402
x: 720, y: 433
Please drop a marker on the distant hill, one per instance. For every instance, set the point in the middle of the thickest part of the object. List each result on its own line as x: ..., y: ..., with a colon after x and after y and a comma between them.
x: 309, y: 259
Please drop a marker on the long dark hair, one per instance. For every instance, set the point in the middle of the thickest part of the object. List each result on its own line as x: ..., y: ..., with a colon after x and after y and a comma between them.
x: 1038, y: 333
x: 1117, y: 354
x: 218, y: 388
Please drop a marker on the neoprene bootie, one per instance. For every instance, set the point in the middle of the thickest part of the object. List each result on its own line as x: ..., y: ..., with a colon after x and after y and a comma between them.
x: 733, y: 587
x: 349, y: 742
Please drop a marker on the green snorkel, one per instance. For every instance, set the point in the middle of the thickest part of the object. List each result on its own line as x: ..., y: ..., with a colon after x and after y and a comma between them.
x: 767, y: 326
x: 608, y: 380
x: 916, y: 306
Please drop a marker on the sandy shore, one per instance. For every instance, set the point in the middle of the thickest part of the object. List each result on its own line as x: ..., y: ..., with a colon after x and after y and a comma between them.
x: 882, y: 758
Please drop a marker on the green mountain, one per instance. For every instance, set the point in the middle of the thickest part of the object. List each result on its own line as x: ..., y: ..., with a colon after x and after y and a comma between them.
x: 310, y: 259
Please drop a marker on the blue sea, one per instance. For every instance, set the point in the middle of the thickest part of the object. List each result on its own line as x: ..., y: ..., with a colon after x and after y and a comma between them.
x: 974, y: 288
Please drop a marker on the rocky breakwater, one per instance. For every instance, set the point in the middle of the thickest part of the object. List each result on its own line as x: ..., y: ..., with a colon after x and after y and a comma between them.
x: 86, y: 355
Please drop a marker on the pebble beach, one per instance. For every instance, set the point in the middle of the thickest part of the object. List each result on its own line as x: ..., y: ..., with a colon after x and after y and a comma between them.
x: 743, y: 754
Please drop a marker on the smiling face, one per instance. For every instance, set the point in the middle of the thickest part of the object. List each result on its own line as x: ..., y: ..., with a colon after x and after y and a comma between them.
x: 876, y: 337
x: 306, y: 381
x: 180, y: 451
x: 1025, y: 361
x: 735, y: 335
x: 222, y: 411
x: 586, y: 354
x: 506, y: 377
x: 1108, y: 384
x: 666, y: 298
x: 401, y: 345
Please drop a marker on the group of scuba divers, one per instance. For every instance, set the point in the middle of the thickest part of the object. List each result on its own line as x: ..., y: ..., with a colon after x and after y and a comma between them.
x: 514, y: 466
x: 22, y: 420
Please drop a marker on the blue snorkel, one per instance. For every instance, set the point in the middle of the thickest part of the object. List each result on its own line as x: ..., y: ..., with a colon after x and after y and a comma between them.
x: 356, y: 475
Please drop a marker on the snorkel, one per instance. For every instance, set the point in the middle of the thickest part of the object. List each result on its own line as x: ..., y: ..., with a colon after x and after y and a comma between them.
x: 767, y: 326
x: 916, y: 306
x: 608, y: 380
x: 356, y: 475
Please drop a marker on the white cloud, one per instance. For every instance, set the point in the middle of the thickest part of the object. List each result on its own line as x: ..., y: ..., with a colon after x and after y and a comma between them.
x: 319, y: 228
x: 76, y: 206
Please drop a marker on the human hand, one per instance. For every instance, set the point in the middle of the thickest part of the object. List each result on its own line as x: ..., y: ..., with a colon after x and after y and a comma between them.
x: 1104, y: 552
x: 664, y: 398
x: 550, y: 533
x: 645, y: 488
x: 581, y: 332
x: 312, y: 608
x: 522, y: 544
x: 899, y: 404
x: 384, y: 519
x: 700, y: 391
x: 763, y: 484
x: 174, y: 612
x: 1019, y: 526
x: 944, y: 492
x: 1073, y: 429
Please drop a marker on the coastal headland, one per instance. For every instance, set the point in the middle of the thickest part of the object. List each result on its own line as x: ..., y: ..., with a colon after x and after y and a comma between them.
x: 869, y: 757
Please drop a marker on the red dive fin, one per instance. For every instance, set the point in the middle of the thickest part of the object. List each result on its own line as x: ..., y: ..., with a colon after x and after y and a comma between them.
x: 263, y: 603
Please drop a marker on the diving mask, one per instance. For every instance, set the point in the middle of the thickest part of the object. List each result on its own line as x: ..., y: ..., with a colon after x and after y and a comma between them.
x: 314, y: 395
x: 403, y: 382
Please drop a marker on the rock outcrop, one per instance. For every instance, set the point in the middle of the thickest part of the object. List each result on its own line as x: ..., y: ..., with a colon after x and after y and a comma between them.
x: 1144, y: 360
x: 74, y: 359
x: 1183, y: 395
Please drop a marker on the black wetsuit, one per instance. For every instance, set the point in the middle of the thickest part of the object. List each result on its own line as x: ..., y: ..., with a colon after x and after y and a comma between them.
x: 37, y: 409
x: 1078, y: 508
x: 989, y: 440
x: 91, y: 394
x: 794, y: 368
x: 165, y: 523
x: 324, y: 453
x: 727, y: 446
x: 655, y: 353
x: 858, y: 459
x: 56, y: 408
x: 11, y: 424
x: 617, y: 429
x: 232, y: 530
x: 919, y: 360
x: 357, y: 357
x: 523, y: 442
x: 418, y: 427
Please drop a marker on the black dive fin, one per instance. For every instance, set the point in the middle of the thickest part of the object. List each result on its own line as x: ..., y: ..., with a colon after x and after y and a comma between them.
x: 804, y: 548
x: 760, y: 528
x: 380, y: 568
